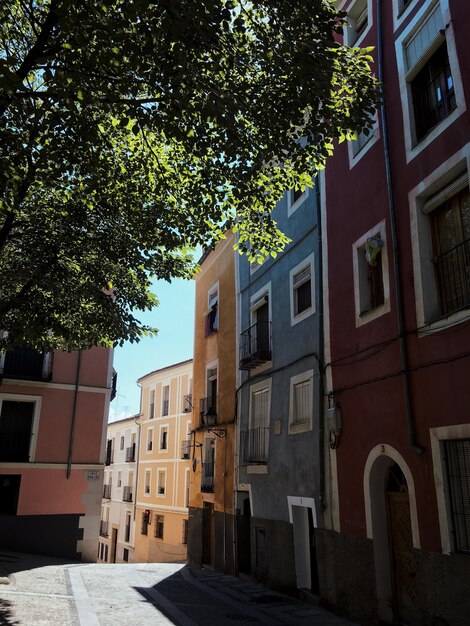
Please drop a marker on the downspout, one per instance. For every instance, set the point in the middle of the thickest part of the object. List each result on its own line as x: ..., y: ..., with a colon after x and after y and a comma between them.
x: 74, y: 414
x: 395, y: 251
x: 320, y: 360
x: 137, y: 456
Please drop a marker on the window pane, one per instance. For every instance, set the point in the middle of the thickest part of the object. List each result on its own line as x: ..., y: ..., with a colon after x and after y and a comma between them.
x: 260, y: 408
x: 303, y: 297
x: 302, y: 402
x: 458, y: 470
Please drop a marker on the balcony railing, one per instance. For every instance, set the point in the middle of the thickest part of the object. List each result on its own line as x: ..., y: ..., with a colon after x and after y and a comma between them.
x: 104, y: 528
x: 130, y: 454
x: 207, y: 481
x: 185, y: 448
x: 127, y: 493
x: 208, y: 409
x: 188, y: 403
x: 26, y: 364
x: 453, y: 278
x: 107, y: 492
x: 255, y: 345
x: 254, y: 446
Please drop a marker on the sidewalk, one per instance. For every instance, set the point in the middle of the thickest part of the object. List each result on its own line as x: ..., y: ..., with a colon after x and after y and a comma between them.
x: 48, y: 592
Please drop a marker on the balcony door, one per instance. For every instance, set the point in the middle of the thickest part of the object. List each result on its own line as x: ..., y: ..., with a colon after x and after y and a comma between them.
x: 16, y: 420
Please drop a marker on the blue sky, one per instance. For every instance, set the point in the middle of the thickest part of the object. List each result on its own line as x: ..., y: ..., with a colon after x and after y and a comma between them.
x: 174, y: 318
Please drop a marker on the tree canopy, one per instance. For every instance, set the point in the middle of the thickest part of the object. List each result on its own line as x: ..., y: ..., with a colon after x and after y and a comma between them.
x: 132, y: 131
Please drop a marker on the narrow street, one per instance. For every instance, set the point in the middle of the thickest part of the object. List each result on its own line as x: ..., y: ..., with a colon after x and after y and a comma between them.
x: 43, y: 591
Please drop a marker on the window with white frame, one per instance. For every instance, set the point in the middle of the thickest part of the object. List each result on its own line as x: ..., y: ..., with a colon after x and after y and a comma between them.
x: 441, y: 233
x: 295, y: 198
x: 457, y: 456
x: 152, y: 404
x: 19, y: 418
x: 430, y: 82
x: 301, y: 290
x: 149, y: 439
x: 301, y: 402
x: 365, y: 139
x: 254, y: 442
x: 147, y: 482
x: 371, y: 279
x: 119, y: 479
x: 358, y: 22
x: 161, y: 482
x: 212, y: 316
x: 121, y: 445
x: 163, y: 437
x: 166, y: 400
x: 159, y: 526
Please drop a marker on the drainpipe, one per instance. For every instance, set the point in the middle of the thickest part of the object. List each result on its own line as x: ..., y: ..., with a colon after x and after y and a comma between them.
x: 395, y: 251
x: 74, y: 414
x: 320, y: 360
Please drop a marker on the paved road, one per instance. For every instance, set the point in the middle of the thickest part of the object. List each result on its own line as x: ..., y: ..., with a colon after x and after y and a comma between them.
x: 40, y: 591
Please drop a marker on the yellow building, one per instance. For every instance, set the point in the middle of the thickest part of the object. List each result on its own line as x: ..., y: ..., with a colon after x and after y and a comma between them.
x: 211, y: 523
x: 164, y: 464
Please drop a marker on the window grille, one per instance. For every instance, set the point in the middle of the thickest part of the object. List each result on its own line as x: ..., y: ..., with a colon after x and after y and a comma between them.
x: 458, y: 473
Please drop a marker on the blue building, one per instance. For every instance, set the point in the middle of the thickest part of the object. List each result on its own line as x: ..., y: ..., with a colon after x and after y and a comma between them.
x: 279, y: 457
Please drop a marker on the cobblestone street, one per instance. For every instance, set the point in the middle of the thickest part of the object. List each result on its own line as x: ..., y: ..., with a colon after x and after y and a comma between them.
x: 43, y: 591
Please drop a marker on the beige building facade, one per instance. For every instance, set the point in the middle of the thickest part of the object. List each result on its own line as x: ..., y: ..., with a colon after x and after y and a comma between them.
x: 164, y: 464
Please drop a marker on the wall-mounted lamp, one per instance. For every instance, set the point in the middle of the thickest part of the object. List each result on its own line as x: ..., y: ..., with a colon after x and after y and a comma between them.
x: 334, y: 423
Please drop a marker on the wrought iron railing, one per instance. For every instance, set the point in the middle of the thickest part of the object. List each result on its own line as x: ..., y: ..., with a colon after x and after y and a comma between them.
x: 127, y: 493
x: 104, y: 528
x: 207, y: 481
x: 453, y: 278
x: 255, y: 345
x: 107, y: 491
x: 130, y: 454
x: 188, y: 403
x: 254, y: 446
x: 26, y: 364
x: 185, y: 448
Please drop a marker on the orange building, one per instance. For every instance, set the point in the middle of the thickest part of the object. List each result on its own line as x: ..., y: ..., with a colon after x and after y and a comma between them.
x: 163, y: 464
x: 53, y: 418
x: 211, y: 514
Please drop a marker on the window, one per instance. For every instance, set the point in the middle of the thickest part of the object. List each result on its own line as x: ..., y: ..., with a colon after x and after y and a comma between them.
x: 301, y: 290
x: 440, y: 234
x: 161, y: 482
x: 186, y: 488
x: 212, y: 317
x: 149, y: 439
x: 159, y: 526
x: 166, y: 400
x: 16, y: 428
x: 209, y: 403
x: 147, y: 482
x: 163, y: 438
x: 430, y: 83
x: 457, y: 454
x: 301, y: 402
x: 207, y: 480
x: 184, y: 538
x: 127, y: 529
x: 125, y: 555
x: 358, y: 18
x: 254, y: 441
x: 119, y: 479
x: 295, y: 198
x: 121, y: 444
x: 145, y: 522
x: 450, y: 223
x: 371, y: 282
x: 152, y: 404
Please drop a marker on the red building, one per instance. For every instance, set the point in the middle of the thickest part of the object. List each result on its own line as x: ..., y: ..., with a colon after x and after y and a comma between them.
x: 396, y: 208
x: 53, y: 419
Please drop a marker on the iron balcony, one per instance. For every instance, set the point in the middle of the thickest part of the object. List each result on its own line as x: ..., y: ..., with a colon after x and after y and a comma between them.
x: 254, y: 446
x: 255, y: 346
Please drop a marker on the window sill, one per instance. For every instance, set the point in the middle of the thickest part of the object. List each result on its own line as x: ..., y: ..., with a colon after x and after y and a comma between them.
x: 257, y: 469
x: 444, y: 323
x: 372, y: 314
x: 299, y: 427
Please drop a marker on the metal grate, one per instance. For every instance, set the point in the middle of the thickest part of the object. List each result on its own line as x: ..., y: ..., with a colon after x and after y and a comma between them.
x: 255, y: 345
x: 254, y: 446
x: 453, y: 278
x: 458, y: 473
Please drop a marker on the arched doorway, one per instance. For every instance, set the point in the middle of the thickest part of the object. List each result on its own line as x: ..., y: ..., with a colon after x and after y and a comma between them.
x: 393, y: 526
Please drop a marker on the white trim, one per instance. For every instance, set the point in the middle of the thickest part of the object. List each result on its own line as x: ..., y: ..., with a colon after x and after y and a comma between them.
x: 400, y: 15
x: 371, y: 141
x: 367, y: 316
x: 381, y: 451
x: 293, y: 206
x: 308, y: 503
x: 438, y: 436
x: 160, y: 472
x: 412, y: 147
x: 149, y: 438
x: 160, y: 428
x: 36, y: 401
x: 309, y: 260
x: 300, y: 427
x: 425, y: 288
x: 347, y: 30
